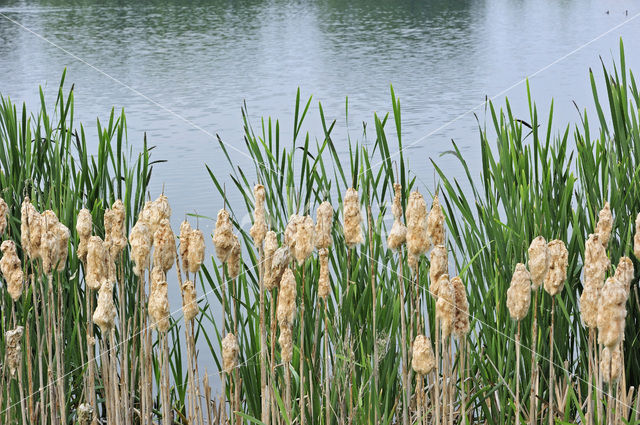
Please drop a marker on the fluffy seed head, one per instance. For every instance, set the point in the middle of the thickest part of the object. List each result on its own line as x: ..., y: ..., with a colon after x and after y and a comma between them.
x: 97, y: 267
x: 115, y: 233
x: 159, y: 306
x: 259, y: 228
x: 538, y: 261
x: 189, y: 302
x: 84, y: 224
x: 223, y: 236
x: 157, y: 276
x: 446, y: 305
x: 36, y: 231
x: 279, y: 265
x: 423, y: 360
x: 185, y: 233
x: 435, y: 223
x: 636, y: 238
x: 4, y: 208
x: 596, y: 262
x: 25, y: 234
x: 624, y: 273
x: 13, y: 349
x: 611, y: 364
x: 519, y: 293
x: 165, y: 246
x: 605, y: 224
x: 270, y: 247
x: 396, y: 208
x: 589, y: 306
x: 324, y: 285
x: 414, y: 262
x: 140, y: 239
x: 230, y: 351
x: 85, y: 414
x: 105, y: 312
x: 286, y: 344
x: 235, y: 258
x: 11, y: 269
x: 286, y: 311
x: 324, y: 222
x: 418, y: 241
x: 461, y: 321
x: 299, y: 236
x: 398, y: 234
x: 439, y: 267
x: 352, y: 219
x: 558, y: 263
x: 611, y: 313
x: 196, y: 250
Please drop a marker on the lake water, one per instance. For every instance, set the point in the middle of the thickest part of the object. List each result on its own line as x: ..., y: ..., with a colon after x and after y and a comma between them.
x: 181, y: 70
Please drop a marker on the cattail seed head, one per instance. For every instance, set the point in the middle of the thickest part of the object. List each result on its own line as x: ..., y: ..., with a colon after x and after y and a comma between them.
x: 105, y: 312
x: 25, y: 234
x: 519, y: 293
x: 62, y: 236
x: 414, y: 262
x: 196, y: 250
x: 13, y: 349
x: 189, y: 301
x: 97, y: 268
x: 299, y: 235
x: 223, y: 236
x: 185, y: 234
x: 611, y: 313
x: 439, y: 267
x: 230, y: 350
x: 286, y: 311
x: 279, y: 264
x: 117, y: 233
x: 396, y: 208
x: 596, y: 262
x: 85, y: 414
x: 417, y: 238
x: 435, y: 223
x: 84, y: 224
x: 157, y: 276
x: 140, y: 239
x: 446, y: 305
x: 461, y: 325
x: 165, y: 246
x: 589, y: 306
x: 636, y: 238
x: 286, y: 344
x: 4, y: 208
x: 235, y: 259
x: 538, y: 261
x: 11, y: 269
x: 558, y: 263
x: 605, y: 224
x: 36, y: 231
x: 423, y: 360
x: 259, y: 228
x: 154, y: 212
x: 611, y: 364
x: 624, y: 273
x: 324, y: 285
x: 398, y: 234
x: 352, y: 219
x: 324, y: 222
x: 159, y: 306
x: 270, y: 247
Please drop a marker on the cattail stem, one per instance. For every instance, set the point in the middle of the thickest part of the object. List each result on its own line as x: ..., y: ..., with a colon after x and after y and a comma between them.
x: 302, y: 405
x: 164, y: 387
x: 610, y: 402
x: 533, y: 394
x: 113, y: 370
x: 36, y: 309
x: 287, y: 383
x: 263, y: 345
x: 326, y: 365
x: 32, y: 413
x: 406, y: 391
x: 437, y: 369
x: 551, y: 368
x: 419, y: 394
x: 272, y: 378
x: 590, y: 380
x: 518, y: 374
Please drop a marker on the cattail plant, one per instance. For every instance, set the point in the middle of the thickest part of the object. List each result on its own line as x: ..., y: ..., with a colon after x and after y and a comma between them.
x: 11, y: 268
x: 230, y: 350
x: 605, y: 224
x: 445, y: 316
x: 518, y: 301
x: 269, y: 248
x: 13, y: 356
x: 3, y: 216
x: 422, y: 363
x: 461, y: 328
x: 636, y: 238
x: 286, y: 314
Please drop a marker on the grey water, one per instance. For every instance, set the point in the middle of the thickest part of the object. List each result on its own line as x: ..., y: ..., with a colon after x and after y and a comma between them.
x: 182, y: 70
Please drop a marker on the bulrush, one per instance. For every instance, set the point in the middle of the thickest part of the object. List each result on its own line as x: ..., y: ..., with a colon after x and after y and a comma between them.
x: 352, y: 219
x: 439, y: 267
x: 115, y: 233
x: 446, y: 305
x: 286, y: 311
x: 636, y: 238
x: 461, y: 322
x: 558, y: 262
x: 230, y: 351
x: 28, y: 212
x: 605, y: 224
x: 285, y: 340
x: 189, y: 302
x: 270, y: 247
x: 96, y: 263
x: 84, y: 224
x: 423, y: 360
x: 612, y: 313
x: 324, y: 222
x: 259, y: 228
x: 595, y: 268
x: 538, y: 261
x: 159, y: 306
x: 610, y: 364
x: 299, y: 236
x: 11, y: 269
x: 234, y: 260
x: 105, y: 312
x: 417, y: 239
x: 324, y: 286
x: 165, y: 246
x: 13, y: 349
x: 435, y: 223
x: 53, y: 243
x: 223, y: 236
x: 624, y: 273
x: 398, y: 234
x: 4, y: 208
x: 185, y: 234
x: 196, y: 250
x: 140, y: 239
x: 519, y: 293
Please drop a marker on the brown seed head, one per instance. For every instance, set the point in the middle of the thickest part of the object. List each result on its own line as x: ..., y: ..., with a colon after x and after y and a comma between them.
x: 519, y: 293
x: 611, y: 364
x: 185, y: 234
x: 446, y: 305
x: 159, y: 306
x: 538, y: 261
x: 612, y: 313
x: 105, y: 313
x: 286, y: 311
x: 324, y: 285
x: 435, y: 223
x: 11, y: 269
x: 4, y: 208
x: 605, y: 224
x: 259, y: 228
x: 196, y: 250
x: 140, y: 239
x: 97, y: 267
x: 270, y: 247
x: 624, y: 273
x: 223, y: 236
x: 189, y: 301
x: 423, y: 360
x: 439, y: 267
x: 461, y: 322
x: 279, y: 265
x: 352, y: 219
x: 230, y: 350
x: 165, y: 246
x: 13, y: 349
x: 286, y: 344
x: 324, y: 223
x: 235, y: 258
x: 418, y: 241
x: 84, y: 224
x: 558, y: 263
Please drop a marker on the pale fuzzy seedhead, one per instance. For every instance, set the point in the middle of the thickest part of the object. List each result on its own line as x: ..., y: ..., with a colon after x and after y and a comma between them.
x: 418, y: 241
x: 397, y: 236
x: 439, y: 266
x: 105, y: 313
x: 286, y: 311
x: 11, y: 269
x: 596, y: 262
x: 164, y: 254
x: 223, y: 236
x: 636, y: 238
x: 414, y: 262
x: 519, y: 293
x: 13, y: 349
x: 117, y: 232
x: 159, y: 306
x: 25, y: 235
x: 305, y: 239
x: 435, y: 223
x: 423, y: 360
x: 259, y: 228
x: 286, y: 344
x: 235, y: 259
x: 140, y: 239
x: 461, y: 325
x: 97, y: 268
x: 49, y: 245
x: 624, y: 273
x: 611, y: 313
x: 157, y: 276
x: 185, y: 233
x: 4, y: 208
x: 324, y: 223
x: 396, y: 208
x: 589, y: 306
x: 605, y: 224
x: 270, y: 247
x: 189, y: 301
x: 84, y: 224
x: 230, y: 350
x: 85, y: 414
x: 558, y: 263
x: 611, y: 364
x: 352, y: 219
x: 291, y: 230
x: 62, y: 236
x: 538, y: 261
x: 324, y: 285
x: 446, y: 305
x: 36, y: 231
x: 279, y: 264
x: 162, y: 207
x: 196, y: 250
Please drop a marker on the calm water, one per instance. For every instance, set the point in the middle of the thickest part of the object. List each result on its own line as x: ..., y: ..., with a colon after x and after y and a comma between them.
x: 201, y: 60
